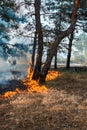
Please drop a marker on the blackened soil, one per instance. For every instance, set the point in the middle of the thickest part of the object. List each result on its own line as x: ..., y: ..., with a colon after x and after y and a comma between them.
x: 12, y: 85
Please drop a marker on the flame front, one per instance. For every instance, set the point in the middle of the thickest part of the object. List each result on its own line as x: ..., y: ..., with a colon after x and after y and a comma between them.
x: 53, y: 75
x: 10, y: 93
x: 32, y: 85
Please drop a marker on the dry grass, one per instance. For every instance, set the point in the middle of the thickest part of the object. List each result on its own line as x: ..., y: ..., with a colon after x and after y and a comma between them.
x: 62, y: 107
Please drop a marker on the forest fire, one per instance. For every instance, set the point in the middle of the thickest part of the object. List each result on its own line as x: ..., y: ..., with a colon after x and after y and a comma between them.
x: 32, y: 85
x: 53, y: 75
x: 10, y: 93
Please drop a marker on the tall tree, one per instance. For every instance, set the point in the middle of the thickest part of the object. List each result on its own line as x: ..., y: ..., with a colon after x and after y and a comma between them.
x: 39, y: 33
x: 55, y: 62
x: 60, y: 36
x: 69, y: 50
x: 34, y: 48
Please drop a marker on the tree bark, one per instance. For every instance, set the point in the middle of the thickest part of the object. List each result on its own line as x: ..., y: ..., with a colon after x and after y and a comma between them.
x: 37, y: 69
x: 51, y: 52
x: 55, y: 62
x: 34, y: 48
x: 69, y: 51
x: 62, y: 34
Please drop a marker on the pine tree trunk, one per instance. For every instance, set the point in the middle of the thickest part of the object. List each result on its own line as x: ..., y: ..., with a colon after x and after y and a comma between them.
x: 69, y: 51
x: 34, y: 48
x: 37, y: 69
x: 51, y: 52
x: 55, y: 62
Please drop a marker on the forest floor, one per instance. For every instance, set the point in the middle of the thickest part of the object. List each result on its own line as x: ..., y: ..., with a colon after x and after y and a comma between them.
x: 61, y: 106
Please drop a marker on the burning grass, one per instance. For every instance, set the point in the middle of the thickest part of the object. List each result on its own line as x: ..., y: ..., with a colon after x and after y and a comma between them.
x: 63, y: 106
x: 9, y: 94
x: 32, y: 85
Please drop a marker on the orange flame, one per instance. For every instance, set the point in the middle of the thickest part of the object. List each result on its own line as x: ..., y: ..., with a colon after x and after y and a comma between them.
x: 30, y: 74
x: 10, y: 93
x: 32, y: 85
x: 53, y: 75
